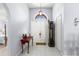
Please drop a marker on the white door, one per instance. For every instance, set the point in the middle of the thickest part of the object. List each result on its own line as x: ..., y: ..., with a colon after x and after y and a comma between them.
x: 37, y: 28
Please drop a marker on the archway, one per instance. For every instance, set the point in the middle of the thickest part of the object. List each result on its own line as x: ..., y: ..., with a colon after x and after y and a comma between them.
x: 3, y: 29
x: 40, y: 29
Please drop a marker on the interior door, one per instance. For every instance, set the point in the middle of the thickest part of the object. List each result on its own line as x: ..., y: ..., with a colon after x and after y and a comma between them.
x: 39, y: 31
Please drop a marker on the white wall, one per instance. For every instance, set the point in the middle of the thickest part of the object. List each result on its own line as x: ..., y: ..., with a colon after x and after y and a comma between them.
x: 71, y: 32
x: 58, y: 15
x: 38, y: 26
x: 18, y: 24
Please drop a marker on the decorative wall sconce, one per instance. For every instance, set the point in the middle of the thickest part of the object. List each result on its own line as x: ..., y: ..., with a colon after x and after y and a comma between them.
x: 76, y: 21
x: 40, y: 35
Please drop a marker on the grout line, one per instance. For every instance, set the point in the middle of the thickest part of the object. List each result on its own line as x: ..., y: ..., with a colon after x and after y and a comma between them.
x: 59, y: 52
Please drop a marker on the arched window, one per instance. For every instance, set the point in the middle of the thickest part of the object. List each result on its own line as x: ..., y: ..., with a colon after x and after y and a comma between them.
x: 41, y: 17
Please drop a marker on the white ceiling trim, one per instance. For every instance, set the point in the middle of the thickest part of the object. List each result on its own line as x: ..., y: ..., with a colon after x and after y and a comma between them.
x: 43, y: 5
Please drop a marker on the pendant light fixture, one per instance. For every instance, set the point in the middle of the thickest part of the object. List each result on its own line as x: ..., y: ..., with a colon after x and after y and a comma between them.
x: 40, y: 13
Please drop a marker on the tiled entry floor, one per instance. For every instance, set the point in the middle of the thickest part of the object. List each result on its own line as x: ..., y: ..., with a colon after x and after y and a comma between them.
x: 3, y: 51
x: 41, y: 51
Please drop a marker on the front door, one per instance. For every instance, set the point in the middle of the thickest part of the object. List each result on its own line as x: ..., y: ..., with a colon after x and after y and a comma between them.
x: 39, y: 31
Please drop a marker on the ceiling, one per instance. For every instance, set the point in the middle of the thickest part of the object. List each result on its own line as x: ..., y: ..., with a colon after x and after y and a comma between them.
x: 3, y: 12
x: 43, y: 5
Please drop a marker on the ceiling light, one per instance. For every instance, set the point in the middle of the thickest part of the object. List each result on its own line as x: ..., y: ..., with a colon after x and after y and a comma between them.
x: 40, y: 12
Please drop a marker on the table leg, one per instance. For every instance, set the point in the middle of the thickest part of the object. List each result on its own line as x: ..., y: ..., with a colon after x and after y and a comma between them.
x: 22, y: 48
x: 28, y: 48
x: 32, y: 41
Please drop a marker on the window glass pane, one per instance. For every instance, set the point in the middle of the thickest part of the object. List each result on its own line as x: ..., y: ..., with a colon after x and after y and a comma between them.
x: 40, y: 18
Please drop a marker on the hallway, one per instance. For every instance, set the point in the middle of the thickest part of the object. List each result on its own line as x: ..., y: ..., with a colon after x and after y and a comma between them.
x: 60, y: 31
x: 30, y: 19
x: 41, y: 51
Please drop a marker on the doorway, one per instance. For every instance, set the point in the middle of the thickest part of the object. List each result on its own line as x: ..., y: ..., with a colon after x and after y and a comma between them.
x: 40, y: 30
x: 3, y: 30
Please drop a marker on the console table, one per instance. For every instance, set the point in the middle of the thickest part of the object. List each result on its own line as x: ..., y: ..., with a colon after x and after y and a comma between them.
x: 26, y: 40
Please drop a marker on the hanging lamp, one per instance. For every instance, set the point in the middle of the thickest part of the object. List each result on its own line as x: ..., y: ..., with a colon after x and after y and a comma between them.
x: 40, y: 14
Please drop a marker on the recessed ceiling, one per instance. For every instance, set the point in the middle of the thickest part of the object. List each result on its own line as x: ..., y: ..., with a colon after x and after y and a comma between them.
x: 37, y: 5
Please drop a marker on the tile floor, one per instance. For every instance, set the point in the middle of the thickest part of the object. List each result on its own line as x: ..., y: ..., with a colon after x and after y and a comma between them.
x: 3, y: 51
x: 41, y: 51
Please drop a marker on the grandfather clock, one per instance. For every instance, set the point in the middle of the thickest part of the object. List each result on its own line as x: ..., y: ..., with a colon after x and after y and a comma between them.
x: 51, y: 42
